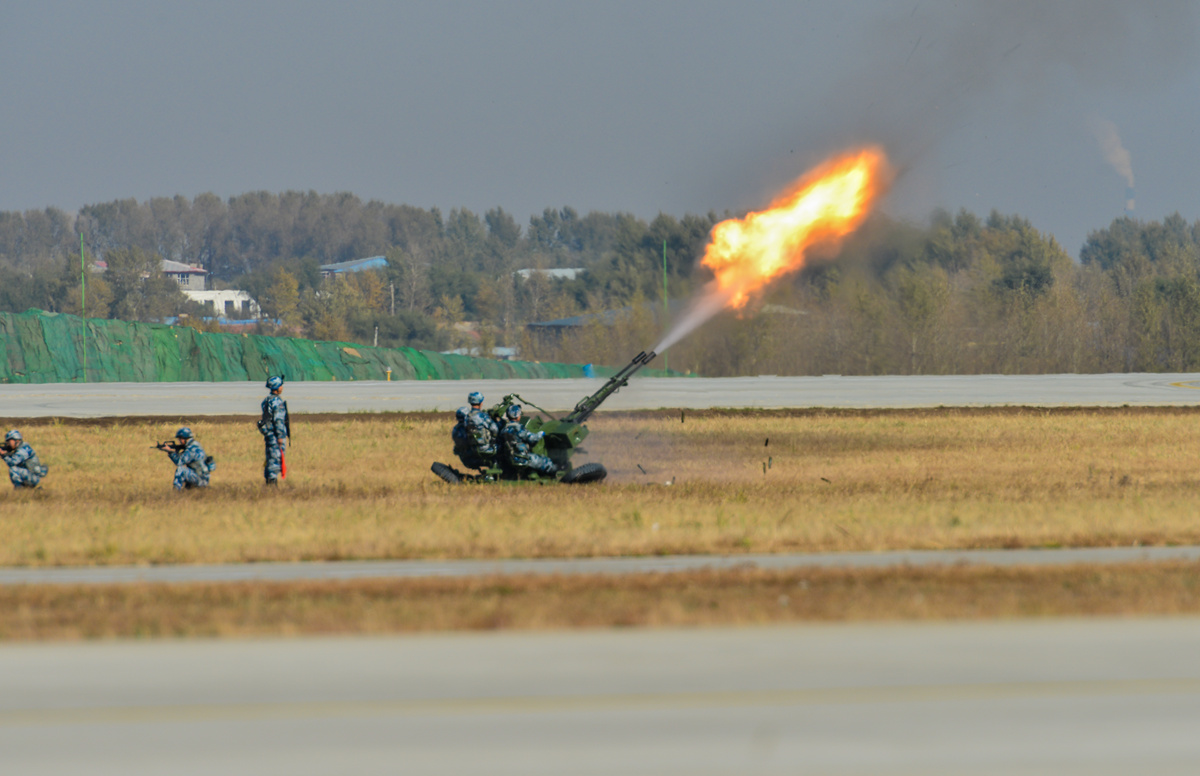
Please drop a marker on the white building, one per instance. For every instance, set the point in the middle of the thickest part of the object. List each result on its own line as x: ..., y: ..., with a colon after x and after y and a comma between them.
x: 554, y: 273
x: 187, y: 276
x: 237, y: 305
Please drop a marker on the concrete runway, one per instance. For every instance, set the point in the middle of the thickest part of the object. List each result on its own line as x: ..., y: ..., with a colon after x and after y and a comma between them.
x: 1074, y: 697
x: 192, y: 399
x: 424, y: 569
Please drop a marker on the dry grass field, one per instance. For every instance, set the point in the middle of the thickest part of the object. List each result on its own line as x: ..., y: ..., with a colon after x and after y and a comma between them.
x: 533, y: 603
x: 360, y: 487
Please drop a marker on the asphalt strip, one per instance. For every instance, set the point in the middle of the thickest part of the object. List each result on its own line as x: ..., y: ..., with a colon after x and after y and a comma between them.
x: 431, y: 569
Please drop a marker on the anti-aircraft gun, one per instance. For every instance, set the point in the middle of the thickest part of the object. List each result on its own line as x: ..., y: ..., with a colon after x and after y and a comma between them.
x: 562, y: 437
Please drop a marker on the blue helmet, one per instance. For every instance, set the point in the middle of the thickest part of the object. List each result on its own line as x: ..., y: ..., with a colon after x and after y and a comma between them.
x: 274, y: 383
x: 513, y: 412
x: 475, y: 397
x: 462, y: 412
x: 184, y: 433
x: 14, y: 434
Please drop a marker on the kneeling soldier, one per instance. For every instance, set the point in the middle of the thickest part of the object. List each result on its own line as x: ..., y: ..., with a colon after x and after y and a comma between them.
x: 24, y: 468
x: 192, y: 466
x: 516, y: 445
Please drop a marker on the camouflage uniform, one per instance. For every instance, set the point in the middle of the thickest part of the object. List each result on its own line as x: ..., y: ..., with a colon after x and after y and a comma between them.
x: 463, y: 446
x: 24, y: 468
x: 274, y: 428
x: 191, y: 470
x: 483, y: 432
x: 516, y: 444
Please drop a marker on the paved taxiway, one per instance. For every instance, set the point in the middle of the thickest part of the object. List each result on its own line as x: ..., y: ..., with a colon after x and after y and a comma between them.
x: 193, y: 399
x: 1074, y: 697
x: 424, y: 569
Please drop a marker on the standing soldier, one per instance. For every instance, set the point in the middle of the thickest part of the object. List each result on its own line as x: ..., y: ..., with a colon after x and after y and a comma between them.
x: 516, y: 445
x: 192, y: 466
x: 24, y: 468
x: 276, y: 429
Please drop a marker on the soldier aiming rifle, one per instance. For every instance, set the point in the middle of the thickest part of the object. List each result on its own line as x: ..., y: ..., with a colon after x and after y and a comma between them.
x: 192, y: 467
x: 24, y: 468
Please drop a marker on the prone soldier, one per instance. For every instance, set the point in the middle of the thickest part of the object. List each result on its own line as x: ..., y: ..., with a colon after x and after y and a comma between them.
x: 276, y: 428
x: 516, y: 445
x: 24, y: 468
x: 192, y: 467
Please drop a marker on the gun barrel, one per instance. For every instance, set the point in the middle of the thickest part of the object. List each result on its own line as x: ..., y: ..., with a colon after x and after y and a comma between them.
x: 588, y: 405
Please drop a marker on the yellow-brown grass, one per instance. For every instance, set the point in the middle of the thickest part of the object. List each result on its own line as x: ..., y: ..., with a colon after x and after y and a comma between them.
x: 360, y: 487
x: 692, y: 599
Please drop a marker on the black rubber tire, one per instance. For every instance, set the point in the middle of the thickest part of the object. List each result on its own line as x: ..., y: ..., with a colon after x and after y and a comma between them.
x: 588, y: 472
x: 446, y: 473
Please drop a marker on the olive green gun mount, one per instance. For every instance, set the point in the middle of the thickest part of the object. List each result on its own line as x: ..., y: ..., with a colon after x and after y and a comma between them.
x: 561, y: 437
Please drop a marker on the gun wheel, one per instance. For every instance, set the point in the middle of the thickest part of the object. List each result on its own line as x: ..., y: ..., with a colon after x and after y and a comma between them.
x: 588, y: 472
x: 446, y: 473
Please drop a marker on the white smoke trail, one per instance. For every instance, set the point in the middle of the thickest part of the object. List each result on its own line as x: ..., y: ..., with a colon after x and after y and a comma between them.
x: 1112, y: 149
x: 700, y: 310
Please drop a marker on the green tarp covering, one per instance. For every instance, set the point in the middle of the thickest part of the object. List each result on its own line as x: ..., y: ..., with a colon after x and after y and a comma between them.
x: 39, y: 347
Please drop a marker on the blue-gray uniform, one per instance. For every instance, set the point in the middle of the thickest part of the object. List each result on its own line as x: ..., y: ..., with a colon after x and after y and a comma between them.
x: 483, y: 431
x: 24, y: 468
x: 461, y: 435
x: 516, y: 444
x: 191, y: 470
x: 274, y: 428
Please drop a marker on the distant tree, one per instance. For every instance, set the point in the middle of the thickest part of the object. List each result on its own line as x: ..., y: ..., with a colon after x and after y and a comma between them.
x: 280, y: 298
x: 140, y: 291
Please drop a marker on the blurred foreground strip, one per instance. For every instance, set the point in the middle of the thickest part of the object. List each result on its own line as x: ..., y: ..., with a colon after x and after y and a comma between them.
x: 558, y: 601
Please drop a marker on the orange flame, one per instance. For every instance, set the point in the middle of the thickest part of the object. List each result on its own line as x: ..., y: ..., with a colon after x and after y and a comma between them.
x: 828, y: 203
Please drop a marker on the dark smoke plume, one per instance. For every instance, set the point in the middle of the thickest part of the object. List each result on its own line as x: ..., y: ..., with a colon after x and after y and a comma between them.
x: 938, y: 64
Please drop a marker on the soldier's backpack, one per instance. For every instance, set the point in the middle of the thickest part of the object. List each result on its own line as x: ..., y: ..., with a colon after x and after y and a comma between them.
x: 36, y: 467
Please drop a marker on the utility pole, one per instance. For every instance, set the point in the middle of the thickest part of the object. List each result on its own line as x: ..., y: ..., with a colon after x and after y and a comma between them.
x: 393, y: 287
x: 376, y: 336
x: 83, y: 302
x: 666, y: 305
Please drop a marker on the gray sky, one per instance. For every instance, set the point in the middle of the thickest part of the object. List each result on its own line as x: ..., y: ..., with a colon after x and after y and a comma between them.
x: 633, y: 106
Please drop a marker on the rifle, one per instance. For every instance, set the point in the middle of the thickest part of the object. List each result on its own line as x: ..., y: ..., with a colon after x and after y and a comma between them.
x: 266, y: 420
x: 168, y: 447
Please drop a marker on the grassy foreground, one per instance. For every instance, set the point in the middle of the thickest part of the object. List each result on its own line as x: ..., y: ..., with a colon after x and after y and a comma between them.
x: 531, y: 603
x: 360, y: 487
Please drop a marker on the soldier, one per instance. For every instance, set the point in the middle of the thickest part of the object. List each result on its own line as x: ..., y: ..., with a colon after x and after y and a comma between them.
x: 192, y: 467
x: 276, y: 428
x: 475, y: 399
x: 461, y: 435
x: 24, y: 468
x: 483, y: 430
x: 516, y: 443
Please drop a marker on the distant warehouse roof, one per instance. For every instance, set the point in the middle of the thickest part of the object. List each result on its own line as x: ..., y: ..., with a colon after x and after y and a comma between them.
x: 358, y: 265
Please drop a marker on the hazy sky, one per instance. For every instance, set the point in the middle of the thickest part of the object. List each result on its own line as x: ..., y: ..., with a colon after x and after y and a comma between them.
x: 633, y: 106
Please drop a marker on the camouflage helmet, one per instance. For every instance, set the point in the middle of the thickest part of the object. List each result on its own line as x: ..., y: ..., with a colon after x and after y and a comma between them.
x: 184, y: 433
x: 14, y: 434
x: 274, y: 383
x: 513, y: 412
x: 462, y: 412
x: 475, y: 397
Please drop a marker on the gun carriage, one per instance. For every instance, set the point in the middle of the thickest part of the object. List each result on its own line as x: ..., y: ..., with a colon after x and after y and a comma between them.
x: 562, y: 438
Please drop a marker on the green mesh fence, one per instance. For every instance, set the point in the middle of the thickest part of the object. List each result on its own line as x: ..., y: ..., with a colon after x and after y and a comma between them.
x: 39, y: 347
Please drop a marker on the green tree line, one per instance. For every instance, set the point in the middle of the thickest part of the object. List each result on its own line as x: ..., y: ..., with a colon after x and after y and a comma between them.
x: 958, y: 294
